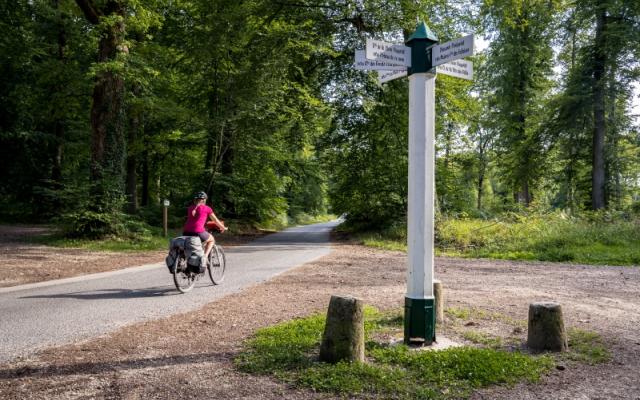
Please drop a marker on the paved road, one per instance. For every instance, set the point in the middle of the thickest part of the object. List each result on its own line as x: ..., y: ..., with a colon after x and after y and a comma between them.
x: 69, y: 310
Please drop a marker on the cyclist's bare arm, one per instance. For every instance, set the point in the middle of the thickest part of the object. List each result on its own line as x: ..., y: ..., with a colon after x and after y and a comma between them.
x: 214, y: 218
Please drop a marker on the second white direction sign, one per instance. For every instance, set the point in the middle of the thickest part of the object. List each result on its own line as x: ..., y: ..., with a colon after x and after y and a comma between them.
x: 458, y: 68
x: 363, y: 63
x: 452, y: 50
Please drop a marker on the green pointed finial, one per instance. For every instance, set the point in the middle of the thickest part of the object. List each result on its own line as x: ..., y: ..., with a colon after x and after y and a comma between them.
x: 423, y: 32
x: 421, y: 42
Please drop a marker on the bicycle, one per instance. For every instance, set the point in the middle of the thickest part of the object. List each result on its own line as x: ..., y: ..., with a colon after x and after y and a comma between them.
x: 185, y: 277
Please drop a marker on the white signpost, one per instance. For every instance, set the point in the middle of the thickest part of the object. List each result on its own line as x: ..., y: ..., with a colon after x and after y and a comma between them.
x: 458, y: 68
x: 452, y: 50
x: 397, y: 54
x: 391, y: 62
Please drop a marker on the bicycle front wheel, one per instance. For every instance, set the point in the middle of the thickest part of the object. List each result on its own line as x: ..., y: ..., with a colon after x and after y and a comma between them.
x: 182, y: 277
x: 217, y: 265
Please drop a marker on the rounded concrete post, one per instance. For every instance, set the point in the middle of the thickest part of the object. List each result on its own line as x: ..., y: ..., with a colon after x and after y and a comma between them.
x: 343, y: 338
x: 546, y: 327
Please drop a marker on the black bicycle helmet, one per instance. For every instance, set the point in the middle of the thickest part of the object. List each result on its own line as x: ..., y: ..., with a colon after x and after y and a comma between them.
x: 200, y: 195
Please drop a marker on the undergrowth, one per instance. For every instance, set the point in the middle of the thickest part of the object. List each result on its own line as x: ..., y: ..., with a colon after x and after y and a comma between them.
x: 591, y: 239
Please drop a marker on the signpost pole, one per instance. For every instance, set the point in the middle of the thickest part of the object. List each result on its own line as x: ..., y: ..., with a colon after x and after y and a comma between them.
x: 419, y: 314
x: 425, y: 55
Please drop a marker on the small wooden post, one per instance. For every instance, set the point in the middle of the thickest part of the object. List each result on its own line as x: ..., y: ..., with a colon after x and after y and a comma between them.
x: 165, y: 217
x: 439, y: 296
x: 546, y: 327
x: 343, y: 338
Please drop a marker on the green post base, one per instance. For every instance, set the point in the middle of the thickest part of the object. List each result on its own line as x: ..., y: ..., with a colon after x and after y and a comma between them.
x: 419, y: 321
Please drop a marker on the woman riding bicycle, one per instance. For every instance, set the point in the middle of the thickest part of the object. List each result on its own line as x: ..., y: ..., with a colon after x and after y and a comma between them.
x: 197, y: 215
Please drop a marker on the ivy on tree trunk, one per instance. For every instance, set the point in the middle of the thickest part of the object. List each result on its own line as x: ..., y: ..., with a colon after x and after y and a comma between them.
x: 108, y: 145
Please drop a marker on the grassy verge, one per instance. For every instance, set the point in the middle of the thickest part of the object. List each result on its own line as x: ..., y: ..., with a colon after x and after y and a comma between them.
x: 585, y: 347
x: 551, y: 237
x: 288, y: 351
x: 151, y: 239
x: 148, y: 241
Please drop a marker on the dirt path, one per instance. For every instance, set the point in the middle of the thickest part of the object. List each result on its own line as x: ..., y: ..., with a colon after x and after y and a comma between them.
x: 26, y: 262
x: 190, y: 355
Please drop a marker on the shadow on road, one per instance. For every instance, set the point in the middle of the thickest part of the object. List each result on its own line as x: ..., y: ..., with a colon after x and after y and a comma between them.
x: 89, y: 368
x: 110, y: 294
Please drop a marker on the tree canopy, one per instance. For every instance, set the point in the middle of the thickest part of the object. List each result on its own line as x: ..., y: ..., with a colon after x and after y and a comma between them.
x: 109, y: 106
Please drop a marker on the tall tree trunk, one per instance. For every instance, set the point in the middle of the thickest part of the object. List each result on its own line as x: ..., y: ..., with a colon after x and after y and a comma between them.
x: 523, y: 195
x: 526, y: 194
x: 481, y: 172
x: 56, y: 170
x: 214, y: 104
x: 599, y: 60
x: 108, y: 146
x: 132, y: 176
x: 145, y: 179
x: 480, y: 190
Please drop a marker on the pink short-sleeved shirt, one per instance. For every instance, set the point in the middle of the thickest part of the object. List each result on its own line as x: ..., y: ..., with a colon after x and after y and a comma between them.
x: 195, y: 223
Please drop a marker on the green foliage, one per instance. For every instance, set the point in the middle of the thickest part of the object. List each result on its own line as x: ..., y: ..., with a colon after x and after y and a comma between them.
x: 258, y: 104
x: 289, y: 350
x: 551, y: 237
x: 519, y: 65
x: 592, y: 238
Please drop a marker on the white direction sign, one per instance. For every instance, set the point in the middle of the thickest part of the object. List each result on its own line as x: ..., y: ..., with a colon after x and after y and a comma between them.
x: 458, y: 68
x: 397, y: 54
x: 452, y: 50
x: 386, y: 76
x: 363, y: 63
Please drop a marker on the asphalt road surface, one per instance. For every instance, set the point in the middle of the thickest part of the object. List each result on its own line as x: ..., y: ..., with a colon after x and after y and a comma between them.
x: 52, y: 313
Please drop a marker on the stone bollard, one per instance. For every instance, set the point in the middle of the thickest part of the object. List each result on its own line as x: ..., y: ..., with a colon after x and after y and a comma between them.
x: 546, y: 327
x: 439, y: 300
x: 343, y: 338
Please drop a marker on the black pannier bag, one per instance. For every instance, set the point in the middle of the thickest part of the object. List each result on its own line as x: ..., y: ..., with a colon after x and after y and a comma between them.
x: 175, y: 246
x: 195, y: 254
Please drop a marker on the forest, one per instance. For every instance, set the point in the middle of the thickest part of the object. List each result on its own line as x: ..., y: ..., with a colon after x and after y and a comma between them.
x: 108, y: 107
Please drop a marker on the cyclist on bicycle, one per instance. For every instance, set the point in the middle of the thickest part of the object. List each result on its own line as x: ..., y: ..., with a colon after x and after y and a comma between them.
x: 197, y: 215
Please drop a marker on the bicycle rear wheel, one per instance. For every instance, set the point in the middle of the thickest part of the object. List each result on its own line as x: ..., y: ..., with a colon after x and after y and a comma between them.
x: 184, y: 279
x: 217, y: 265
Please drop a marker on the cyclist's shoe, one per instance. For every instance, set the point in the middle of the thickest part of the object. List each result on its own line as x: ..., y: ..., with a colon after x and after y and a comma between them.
x: 203, y: 265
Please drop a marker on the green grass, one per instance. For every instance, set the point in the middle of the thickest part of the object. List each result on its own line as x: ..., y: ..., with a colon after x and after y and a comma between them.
x: 587, y: 347
x: 482, y: 338
x: 460, y: 313
x: 289, y: 350
x: 143, y: 242
x: 549, y: 237
x: 466, y: 314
